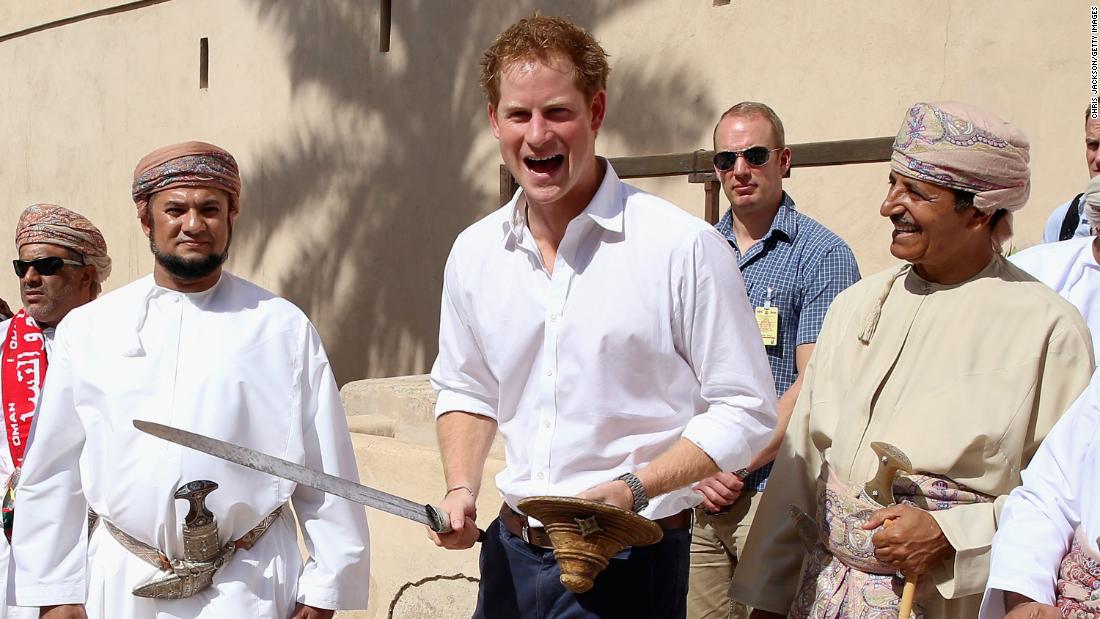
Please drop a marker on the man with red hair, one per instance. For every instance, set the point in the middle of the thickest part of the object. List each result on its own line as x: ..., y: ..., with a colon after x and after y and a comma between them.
x: 604, y: 332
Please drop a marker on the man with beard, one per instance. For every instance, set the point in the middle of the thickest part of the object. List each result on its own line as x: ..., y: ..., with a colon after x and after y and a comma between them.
x: 62, y: 262
x: 193, y: 347
x: 957, y: 358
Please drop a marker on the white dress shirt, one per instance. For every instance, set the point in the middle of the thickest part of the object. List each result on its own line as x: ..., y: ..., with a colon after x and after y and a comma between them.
x: 1070, y: 268
x: 234, y: 362
x: 1059, y: 492
x: 640, y: 335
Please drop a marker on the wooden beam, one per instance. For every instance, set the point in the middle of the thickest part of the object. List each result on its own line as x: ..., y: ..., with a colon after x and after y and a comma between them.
x: 841, y: 152
x: 67, y: 21
x: 698, y: 165
x: 805, y: 155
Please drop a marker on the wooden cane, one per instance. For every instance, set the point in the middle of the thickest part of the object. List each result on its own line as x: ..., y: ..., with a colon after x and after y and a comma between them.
x: 908, y: 592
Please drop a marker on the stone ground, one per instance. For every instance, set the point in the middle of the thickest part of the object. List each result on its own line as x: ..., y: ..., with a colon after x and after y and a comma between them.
x: 393, y: 432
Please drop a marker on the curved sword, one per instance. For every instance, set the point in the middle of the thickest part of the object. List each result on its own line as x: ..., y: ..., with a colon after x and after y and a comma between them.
x: 430, y: 515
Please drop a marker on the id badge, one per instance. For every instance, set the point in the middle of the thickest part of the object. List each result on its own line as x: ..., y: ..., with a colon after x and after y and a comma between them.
x: 767, y: 319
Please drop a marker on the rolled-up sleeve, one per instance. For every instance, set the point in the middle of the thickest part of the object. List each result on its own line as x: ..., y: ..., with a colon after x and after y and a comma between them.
x: 723, y: 346
x: 460, y: 376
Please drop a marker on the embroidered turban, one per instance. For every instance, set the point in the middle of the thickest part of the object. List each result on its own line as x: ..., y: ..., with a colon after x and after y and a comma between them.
x: 1092, y: 203
x: 187, y: 164
x: 962, y: 147
x: 49, y: 223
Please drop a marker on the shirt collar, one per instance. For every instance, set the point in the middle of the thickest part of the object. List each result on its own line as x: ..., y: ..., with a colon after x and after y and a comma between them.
x: 785, y: 221
x: 605, y: 208
x: 135, y: 348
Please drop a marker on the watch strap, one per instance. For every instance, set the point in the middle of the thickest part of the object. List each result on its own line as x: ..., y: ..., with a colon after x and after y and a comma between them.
x: 636, y: 489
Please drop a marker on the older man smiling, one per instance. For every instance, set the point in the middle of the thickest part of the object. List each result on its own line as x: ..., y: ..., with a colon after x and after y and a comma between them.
x: 957, y: 358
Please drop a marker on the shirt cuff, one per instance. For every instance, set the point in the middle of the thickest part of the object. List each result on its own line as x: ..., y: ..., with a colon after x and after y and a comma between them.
x: 723, y: 443
x: 448, y: 400
x: 969, y: 529
x: 51, y: 595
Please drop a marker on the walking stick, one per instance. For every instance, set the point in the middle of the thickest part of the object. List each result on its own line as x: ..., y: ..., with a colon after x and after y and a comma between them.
x: 908, y: 592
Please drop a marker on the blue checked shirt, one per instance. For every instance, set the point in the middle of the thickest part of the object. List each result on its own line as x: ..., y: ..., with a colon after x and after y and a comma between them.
x: 799, y: 267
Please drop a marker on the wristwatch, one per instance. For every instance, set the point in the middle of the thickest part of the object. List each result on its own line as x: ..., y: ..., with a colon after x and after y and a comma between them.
x: 637, y: 489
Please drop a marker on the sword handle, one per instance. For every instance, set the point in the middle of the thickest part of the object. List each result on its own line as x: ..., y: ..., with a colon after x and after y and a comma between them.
x: 441, y: 522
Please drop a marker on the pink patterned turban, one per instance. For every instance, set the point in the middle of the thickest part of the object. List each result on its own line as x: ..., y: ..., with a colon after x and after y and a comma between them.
x: 50, y: 223
x: 962, y: 147
x: 187, y: 164
x: 959, y: 146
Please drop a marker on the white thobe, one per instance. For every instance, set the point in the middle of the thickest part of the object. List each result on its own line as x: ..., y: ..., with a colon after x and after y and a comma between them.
x: 1060, y: 490
x: 7, y: 467
x: 1070, y: 268
x: 234, y: 362
x: 641, y: 334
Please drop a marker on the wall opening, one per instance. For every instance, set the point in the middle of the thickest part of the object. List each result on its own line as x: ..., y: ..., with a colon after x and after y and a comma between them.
x: 204, y: 63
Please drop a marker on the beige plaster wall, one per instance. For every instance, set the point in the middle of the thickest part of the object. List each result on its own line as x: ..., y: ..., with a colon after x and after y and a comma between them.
x: 361, y: 167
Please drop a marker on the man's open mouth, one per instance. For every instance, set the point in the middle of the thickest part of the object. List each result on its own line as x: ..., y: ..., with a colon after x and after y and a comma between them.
x: 544, y: 165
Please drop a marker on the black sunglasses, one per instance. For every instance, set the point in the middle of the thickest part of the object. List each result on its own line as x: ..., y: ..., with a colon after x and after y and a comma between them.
x: 755, y: 156
x: 45, y: 266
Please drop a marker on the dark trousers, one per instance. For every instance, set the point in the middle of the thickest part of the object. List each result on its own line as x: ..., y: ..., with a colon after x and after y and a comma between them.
x: 521, y: 580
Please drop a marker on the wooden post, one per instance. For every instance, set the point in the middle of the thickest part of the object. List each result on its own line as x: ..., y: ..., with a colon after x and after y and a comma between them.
x: 384, y: 13
x: 713, y: 191
x: 508, y: 185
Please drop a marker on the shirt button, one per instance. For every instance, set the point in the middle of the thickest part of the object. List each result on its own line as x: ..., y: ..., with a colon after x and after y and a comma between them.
x: 549, y: 372
x: 540, y: 475
x: 553, y: 317
x: 546, y: 424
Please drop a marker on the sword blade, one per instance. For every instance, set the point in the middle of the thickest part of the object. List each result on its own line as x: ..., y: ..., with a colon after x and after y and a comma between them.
x: 428, y: 515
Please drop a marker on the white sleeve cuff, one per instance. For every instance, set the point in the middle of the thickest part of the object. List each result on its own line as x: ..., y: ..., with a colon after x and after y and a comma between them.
x: 70, y: 592
x: 722, y: 441
x: 448, y: 400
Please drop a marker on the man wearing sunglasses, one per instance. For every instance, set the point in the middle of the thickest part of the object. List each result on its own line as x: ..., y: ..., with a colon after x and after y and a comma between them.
x: 196, y: 347
x: 951, y: 366
x: 793, y: 267
x: 62, y: 262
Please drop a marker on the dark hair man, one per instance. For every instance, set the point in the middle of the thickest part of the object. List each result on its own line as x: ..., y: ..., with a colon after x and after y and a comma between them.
x: 195, y: 347
x: 62, y: 262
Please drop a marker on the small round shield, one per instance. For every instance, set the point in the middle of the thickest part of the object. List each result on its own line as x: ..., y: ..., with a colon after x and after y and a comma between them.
x: 586, y: 534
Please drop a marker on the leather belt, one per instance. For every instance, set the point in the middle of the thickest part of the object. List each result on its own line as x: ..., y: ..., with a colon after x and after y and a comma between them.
x: 516, y: 524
